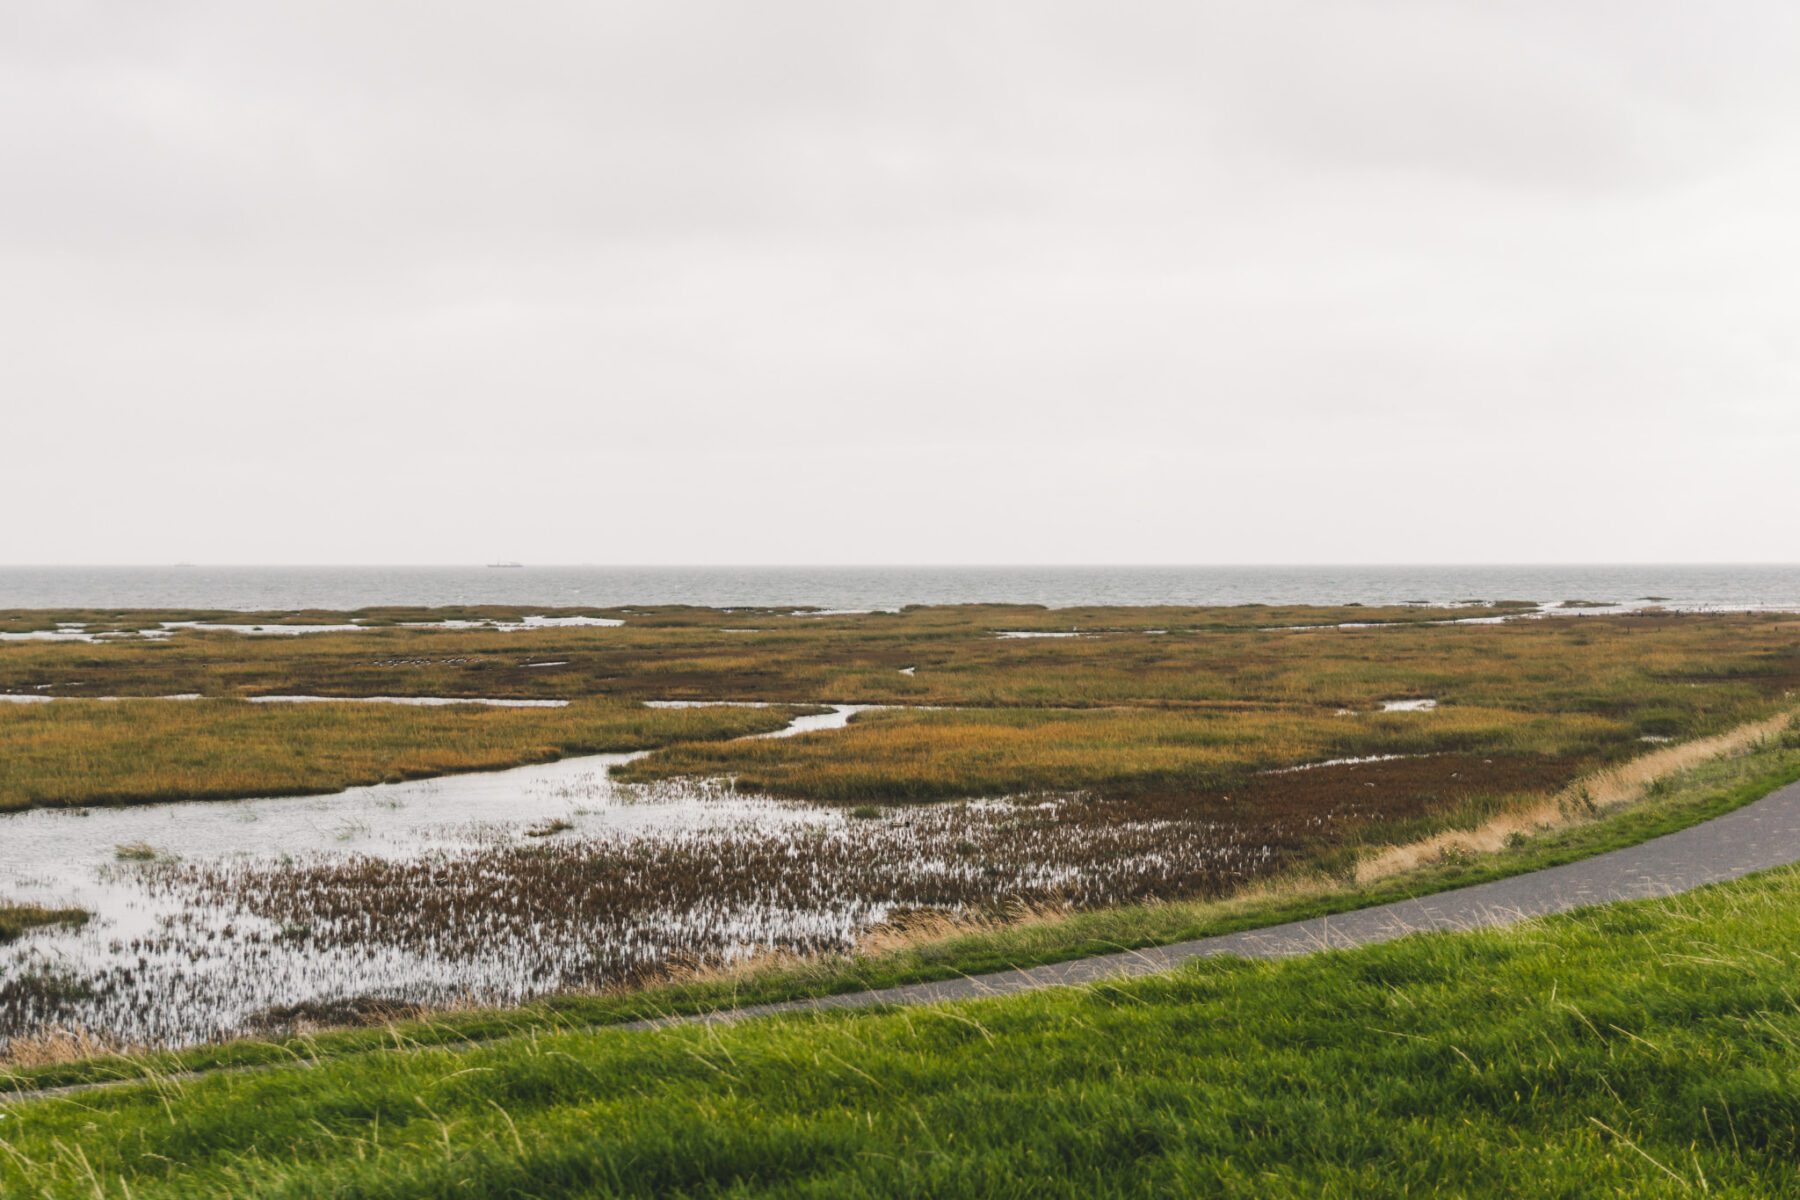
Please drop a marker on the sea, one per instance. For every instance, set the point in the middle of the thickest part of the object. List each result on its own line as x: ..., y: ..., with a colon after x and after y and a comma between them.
x: 252, y: 588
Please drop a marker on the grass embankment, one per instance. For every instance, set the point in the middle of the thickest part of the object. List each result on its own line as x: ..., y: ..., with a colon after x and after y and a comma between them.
x: 16, y: 919
x: 100, y: 752
x: 1703, y: 790
x: 1641, y: 1049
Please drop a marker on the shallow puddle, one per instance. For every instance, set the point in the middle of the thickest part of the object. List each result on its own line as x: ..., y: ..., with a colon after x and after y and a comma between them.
x: 68, y: 631
x: 427, y: 701
x: 265, y: 630
x: 515, y: 626
x: 37, y: 698
x: 1343, y: 762
x: 79, y: 634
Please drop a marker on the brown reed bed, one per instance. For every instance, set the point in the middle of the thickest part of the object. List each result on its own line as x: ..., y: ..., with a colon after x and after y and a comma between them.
x: 929, y: 755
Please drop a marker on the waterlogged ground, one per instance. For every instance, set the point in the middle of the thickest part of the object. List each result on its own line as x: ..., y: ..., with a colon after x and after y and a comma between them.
x: 220, y: 918
x: 81, y: 631
x: 193, y: 936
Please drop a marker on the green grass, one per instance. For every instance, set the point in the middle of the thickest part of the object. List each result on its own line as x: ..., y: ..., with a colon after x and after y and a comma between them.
x: 1640, y: 1049
x: 1707, y: 791
x: 78, y: 752
x: 17, y: 919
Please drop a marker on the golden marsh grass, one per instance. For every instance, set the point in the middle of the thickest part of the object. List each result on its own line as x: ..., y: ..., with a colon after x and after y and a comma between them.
x: 104, y: 752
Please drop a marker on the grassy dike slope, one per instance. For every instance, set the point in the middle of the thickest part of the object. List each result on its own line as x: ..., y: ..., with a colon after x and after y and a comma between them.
x: 1639, y: 1049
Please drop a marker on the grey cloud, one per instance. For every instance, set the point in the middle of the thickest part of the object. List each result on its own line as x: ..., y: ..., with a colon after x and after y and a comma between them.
x: 573, y: 279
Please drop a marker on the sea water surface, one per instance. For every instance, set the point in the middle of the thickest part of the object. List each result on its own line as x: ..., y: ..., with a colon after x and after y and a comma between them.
x: 1722, y: 586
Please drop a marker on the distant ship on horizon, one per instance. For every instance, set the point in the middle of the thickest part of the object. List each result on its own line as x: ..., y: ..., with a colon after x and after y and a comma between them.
x: 506, y: 564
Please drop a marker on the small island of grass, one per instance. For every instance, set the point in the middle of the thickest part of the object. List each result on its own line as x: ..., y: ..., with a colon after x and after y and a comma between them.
x: 17, y: 919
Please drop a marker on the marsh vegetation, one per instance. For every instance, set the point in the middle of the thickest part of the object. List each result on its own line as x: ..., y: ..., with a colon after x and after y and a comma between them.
x: 1165, y: 755
x: 144, y: 751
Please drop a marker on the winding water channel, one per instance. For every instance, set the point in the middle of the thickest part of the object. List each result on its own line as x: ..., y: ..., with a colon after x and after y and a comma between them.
x: 171, y: 955
x: 219, y: 918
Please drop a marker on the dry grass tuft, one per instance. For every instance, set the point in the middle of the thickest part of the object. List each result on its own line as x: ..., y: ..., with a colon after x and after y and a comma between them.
x: 921, y: 926
x: 1582, y: 800
x: 50, y: 1047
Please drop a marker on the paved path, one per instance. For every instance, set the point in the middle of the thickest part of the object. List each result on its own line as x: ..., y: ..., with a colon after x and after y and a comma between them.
x: 1762, y: 834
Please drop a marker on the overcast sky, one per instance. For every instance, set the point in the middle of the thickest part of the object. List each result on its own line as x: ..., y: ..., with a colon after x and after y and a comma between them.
x: 842, y: 282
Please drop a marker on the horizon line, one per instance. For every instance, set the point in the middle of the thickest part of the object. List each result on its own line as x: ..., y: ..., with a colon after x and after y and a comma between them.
x: 899, y: 566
